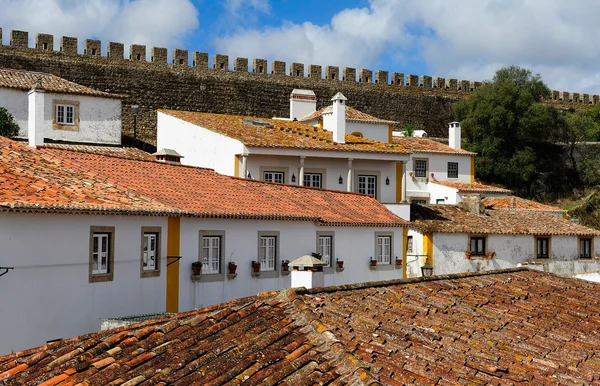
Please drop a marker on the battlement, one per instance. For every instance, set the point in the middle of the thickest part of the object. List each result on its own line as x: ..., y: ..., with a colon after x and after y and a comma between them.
x: 19, y: 40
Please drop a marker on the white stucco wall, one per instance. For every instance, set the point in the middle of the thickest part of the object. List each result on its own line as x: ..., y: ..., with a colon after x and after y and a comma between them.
x: 99, y: 118
x: 48, y: 294
x: 438, y: 165
x: 449, y: 195
x: 353, y: 245
x: 377, y: 132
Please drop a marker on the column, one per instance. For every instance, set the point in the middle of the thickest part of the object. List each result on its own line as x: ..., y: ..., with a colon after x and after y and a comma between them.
x: 301, y: 176
x: 244, y: 172
x: 403, y: 181
x: 349, y: 177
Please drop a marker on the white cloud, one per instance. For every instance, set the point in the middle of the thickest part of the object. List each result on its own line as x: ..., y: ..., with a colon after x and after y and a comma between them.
x: 467, y: 39
x: 151, y: 22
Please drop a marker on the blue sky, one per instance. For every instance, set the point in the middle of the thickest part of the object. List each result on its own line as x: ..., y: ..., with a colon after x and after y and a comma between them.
x: 464, y: 39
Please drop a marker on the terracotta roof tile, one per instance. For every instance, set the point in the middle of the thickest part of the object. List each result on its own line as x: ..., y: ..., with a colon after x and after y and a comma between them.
x: 518, y: 203
x: 513, y: 326
x: 352, y: 115
x: 276, y: 133
x: 23, y: 80
x: 452, y: 219
x: 426, y: 145
x: 114, y: 151
x: 465, y: 187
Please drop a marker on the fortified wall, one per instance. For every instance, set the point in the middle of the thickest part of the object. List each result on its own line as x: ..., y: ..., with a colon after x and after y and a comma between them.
x: 152, y: 83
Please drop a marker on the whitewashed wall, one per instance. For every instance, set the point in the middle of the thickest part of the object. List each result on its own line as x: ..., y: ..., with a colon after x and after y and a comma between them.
x: 99, y: 118
x: 48, y: 294
x: 377, y: 132
x: 415, y: 259
x: 449, y: 195
x: 353, y: 245
x: 438, y: 165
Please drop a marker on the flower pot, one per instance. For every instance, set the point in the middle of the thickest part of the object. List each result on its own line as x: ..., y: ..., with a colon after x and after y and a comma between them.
x: 491, y: 255
x: 256, y: 267
x: 285, y: 267
x: 197, y: 268
x: 398, y: 262
x: 373, y: 263
x: 340, y: 264
x: 232, y: 268
x: 468, y: 255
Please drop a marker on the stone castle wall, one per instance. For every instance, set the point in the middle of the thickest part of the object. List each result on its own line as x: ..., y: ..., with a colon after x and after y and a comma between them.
x: 422, y: 101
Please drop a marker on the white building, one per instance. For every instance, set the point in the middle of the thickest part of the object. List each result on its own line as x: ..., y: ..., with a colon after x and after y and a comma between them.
x: 92, y: 234
x: 67, y: 112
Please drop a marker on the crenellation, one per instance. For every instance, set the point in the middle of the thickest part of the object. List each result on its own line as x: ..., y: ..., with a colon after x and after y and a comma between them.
x: 259, y: 66
x: 398, y: 78
x: 92, y: 47
x: 278, y: 67
x: 585, y: 99
x: 181, y: 57
x: 115, y: 50
x: 365, y: 76
x: 349, y: 74
x: 44, y: 42
x: 439, y: 83
x: 413, y: 80
x: 332, y: 73
x: 463, y: 85
x: 425, y: 81
x: 221, y: 62
x: 0, y: 36
x: 315, y: 71
x: 595, y: 99
x: 137, y: 52
x: 200, y: 59
x: 575, y: 97
x: 240, y: 64
x: 381, y: 77
x: 451, y: 84
x: 474, y: 85
x: 19, y: 39
x: 68, y: 45
x: 158, y: 55
x: 563, y: 96
x: 297, y: 69
x: 554, y: 95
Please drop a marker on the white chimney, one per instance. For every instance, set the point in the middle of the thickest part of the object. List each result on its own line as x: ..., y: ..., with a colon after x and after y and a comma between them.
x: 307, y: 272
x: 302, y: 103
x: 35, y: 122
x: 454, y: 135
x: 339, y: 118
x: 168, y: 156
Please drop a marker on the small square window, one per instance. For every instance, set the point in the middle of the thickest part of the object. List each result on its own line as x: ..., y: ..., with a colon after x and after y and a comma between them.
x: 440, y: 201
x: 367, y: 185
x: 314, y: 180
x: 452, y: 169
x: 274, y: 177
x: 420, y: 168
x: 585, y: 248
x: 150, y: 260
x: 101, y: 254
x: 542, y: 247
x: 65, y: 114
x: 477, y: 245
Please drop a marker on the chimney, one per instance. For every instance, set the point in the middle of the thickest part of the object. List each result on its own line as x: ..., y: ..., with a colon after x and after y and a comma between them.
x: 168, y: 156
x: 302, y: 103
x: 307, y: 272
x: 339, y: 118
x: 35, y: 122
x: 472, y: 203
x: 454, y: 135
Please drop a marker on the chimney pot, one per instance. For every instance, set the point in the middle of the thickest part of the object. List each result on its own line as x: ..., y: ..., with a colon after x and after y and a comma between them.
x: 302, y: 103
x: 454, y: 135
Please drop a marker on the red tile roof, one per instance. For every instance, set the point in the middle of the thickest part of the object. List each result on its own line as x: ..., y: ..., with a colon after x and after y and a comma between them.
x: 429, y: 146
x: 277, y: 133
x: 115, y: 151
x: 352, y: 115
x: 465, y: 187
x: 453, y: 219
x: 56, y: 178
x: 23, y: 80
x: 513, y: 326
x: 518, y: 203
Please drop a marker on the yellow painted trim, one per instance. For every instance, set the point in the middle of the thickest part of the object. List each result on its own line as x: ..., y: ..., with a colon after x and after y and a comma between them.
x: 472, y: 169
x: 404, y: 251
x: 236, y: 166
x: 398, y: 181
x: 428, y: 247
x: 390, y: 135
x: 173, y: 250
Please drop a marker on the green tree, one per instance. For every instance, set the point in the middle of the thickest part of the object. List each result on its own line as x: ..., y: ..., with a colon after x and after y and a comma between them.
x: 8, y: 126
x: 409, y: 130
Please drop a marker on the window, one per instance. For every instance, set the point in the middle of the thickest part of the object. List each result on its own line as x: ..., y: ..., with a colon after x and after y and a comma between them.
x: 101, y: 254
x: 452, y: 169
x: 477, y: 245
x: 542, y: 247
x: 267, y: 252
x: 384, y: 249
x: 440, y: 201
x: 409, y: 244
x: 418, y: 201
x: 585, y: 248
x: 367, y: 185
x: 313, y: 180
x: 273, y: 177
x: 420, y: 168
x: 65, y: 114
x: 150, y: 263
x: 211, y: 254
x: 325, y: 249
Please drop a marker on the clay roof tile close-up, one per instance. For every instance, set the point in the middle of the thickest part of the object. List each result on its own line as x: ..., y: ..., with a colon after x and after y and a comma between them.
x: 475, y: 187
x: 429, y: 146
x: 352, y: 115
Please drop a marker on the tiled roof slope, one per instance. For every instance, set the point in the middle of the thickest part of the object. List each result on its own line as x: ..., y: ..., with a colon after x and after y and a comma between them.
x: 426, y: 145
x: 453, y: 219
x: 352, y: 115
x: 281, y: 133
x: 518, y: 203
x: 465, y: 187
x: 202, y: 192
x: 506, y: 327
x: 23, y: 80
x: 115, y: 151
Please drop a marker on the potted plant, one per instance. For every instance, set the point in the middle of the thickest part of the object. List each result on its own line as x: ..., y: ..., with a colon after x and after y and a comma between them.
x: 255, y: 266
x: 285, y: 265
x: 340, y: 263
x: 232, y: 266
x: 468, y: 254
x: 373, y: 262
x: 491, y: 255
x: 197, y: 268
x: 398, y: 261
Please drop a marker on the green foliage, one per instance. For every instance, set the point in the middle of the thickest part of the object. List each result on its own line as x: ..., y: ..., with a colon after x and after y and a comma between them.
x: 409, y: 130
x: 8, y: 126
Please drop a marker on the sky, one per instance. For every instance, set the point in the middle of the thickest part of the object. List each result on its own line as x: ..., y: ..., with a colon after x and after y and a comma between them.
x: 464, y: 39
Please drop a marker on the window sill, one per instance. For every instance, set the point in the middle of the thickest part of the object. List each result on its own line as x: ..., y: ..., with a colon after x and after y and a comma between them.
x: 207, y: 277
x: 100, y: 278
x: 382, y: 267
x: 57, y: 126
x: 153, y: 273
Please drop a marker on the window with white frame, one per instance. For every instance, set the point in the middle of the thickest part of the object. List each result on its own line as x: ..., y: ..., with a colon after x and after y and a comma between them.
x: 384, y: 249
x: 101, y: 253
x: 273, y: 177
x: 367, y: 185
x: 267, y: 252
x: 211, y: 254
x: 314, y: 180
x: 150, y: 251
x: 452, y: 169
x: 65, y: 114
x: 420, y: 168
x: 325, y: 249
